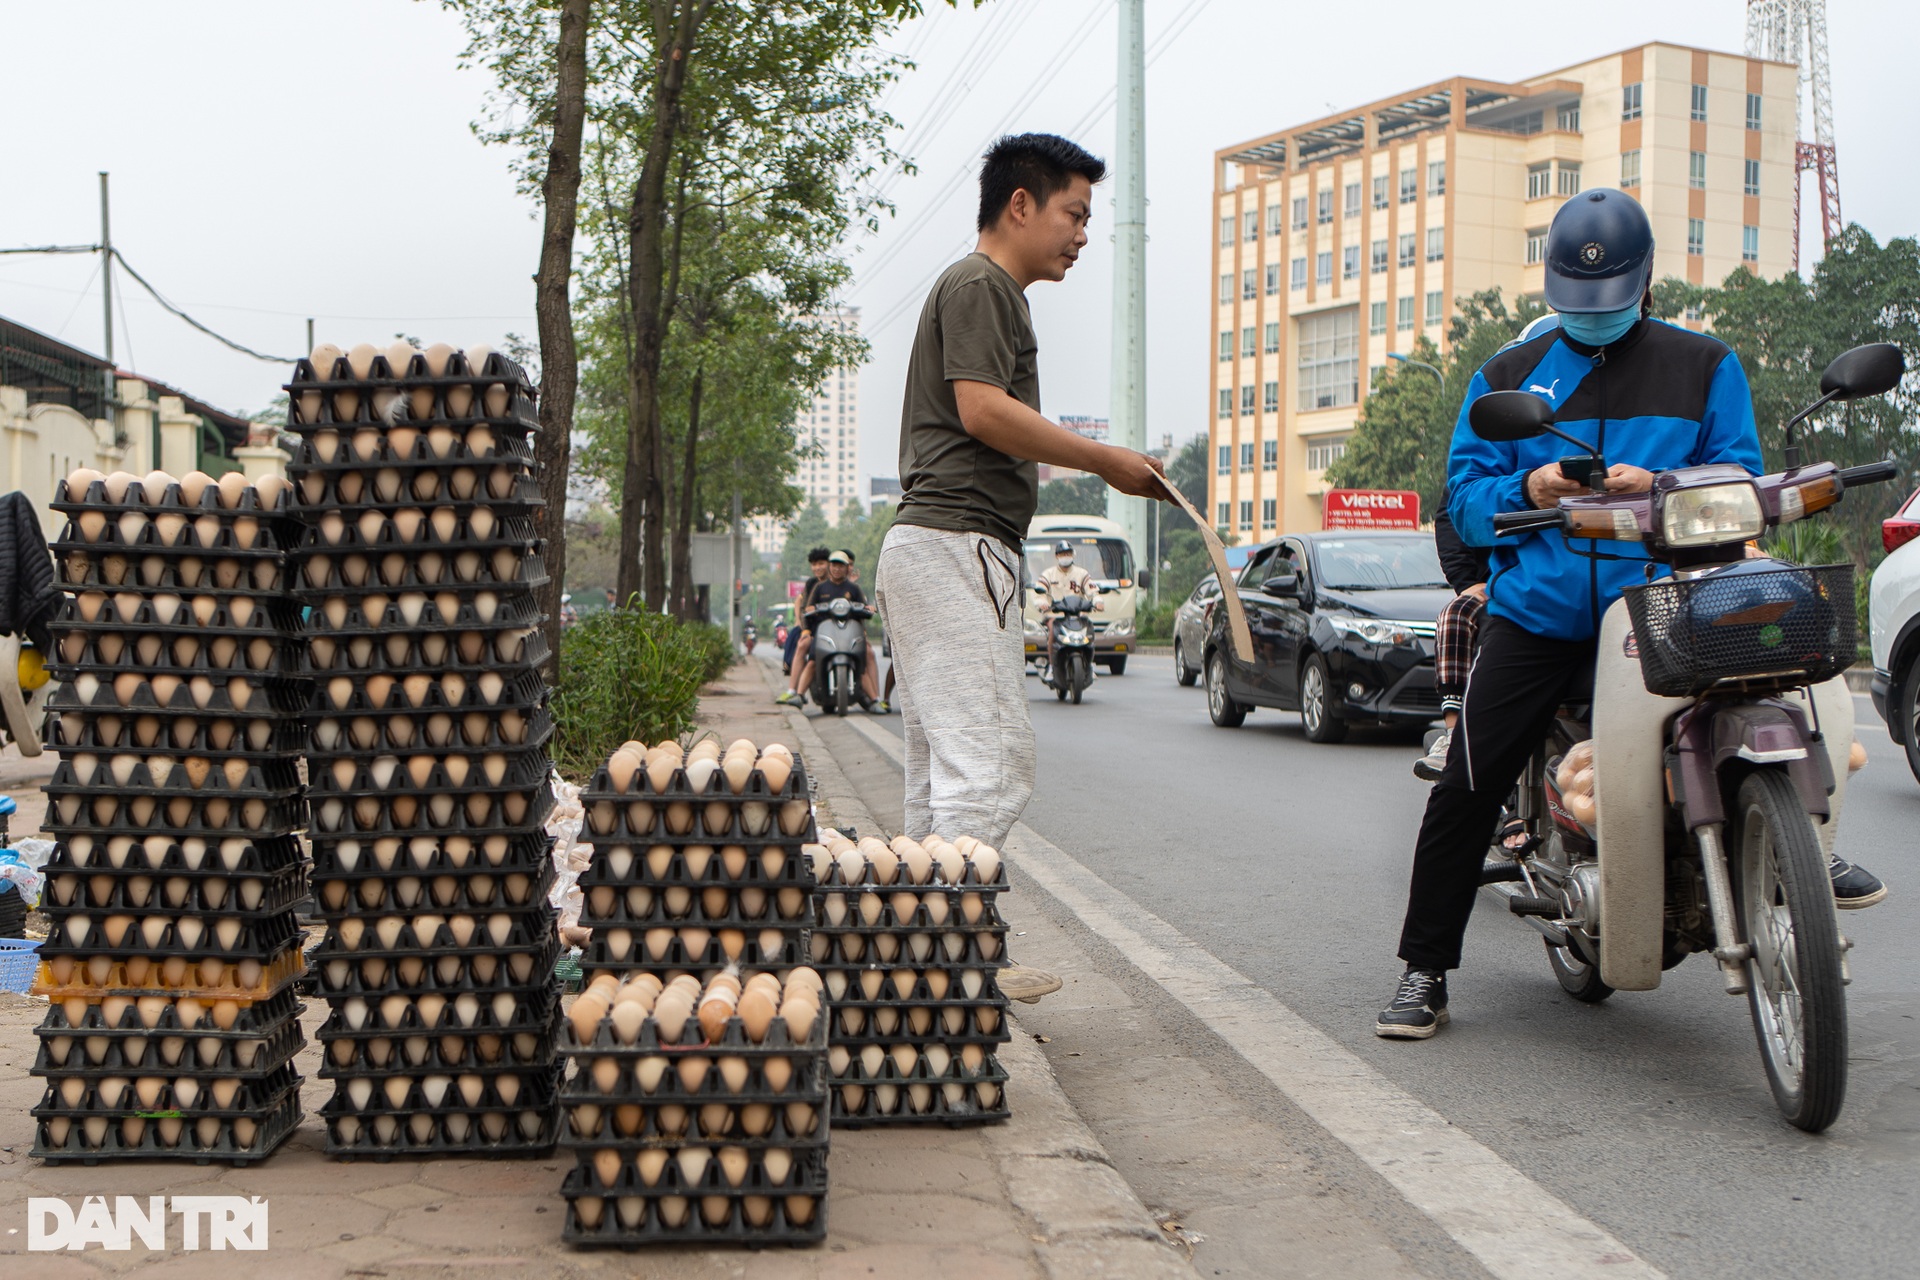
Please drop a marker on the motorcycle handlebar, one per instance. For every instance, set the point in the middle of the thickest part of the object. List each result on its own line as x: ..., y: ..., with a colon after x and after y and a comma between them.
x: 1527, y: 521
x: 1870, y: 473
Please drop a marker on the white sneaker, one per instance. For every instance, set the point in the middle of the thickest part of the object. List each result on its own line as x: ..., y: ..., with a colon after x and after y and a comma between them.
x: 1429, y: 766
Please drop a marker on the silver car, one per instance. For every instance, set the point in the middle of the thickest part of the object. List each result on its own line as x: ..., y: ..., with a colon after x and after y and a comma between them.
x: 1190, y: 630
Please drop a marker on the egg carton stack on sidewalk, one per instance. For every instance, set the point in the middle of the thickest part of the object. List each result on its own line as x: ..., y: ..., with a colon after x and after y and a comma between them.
x: 711, y: 1128
x: 427, y: 759
x: 698, y: 1114
x: 173, y: 949
x: 910, y: 944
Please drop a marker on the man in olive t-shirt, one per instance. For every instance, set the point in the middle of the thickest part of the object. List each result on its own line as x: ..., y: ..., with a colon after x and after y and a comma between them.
x: 950, y: 578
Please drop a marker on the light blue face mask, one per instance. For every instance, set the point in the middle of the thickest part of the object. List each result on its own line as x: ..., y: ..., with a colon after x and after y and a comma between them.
x: 1602, y: 329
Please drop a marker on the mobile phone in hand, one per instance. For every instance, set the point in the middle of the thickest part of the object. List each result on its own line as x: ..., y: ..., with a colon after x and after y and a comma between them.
x: 1581, y: 467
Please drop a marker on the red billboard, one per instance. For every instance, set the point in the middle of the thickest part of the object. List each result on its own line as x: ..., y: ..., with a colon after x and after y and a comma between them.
x: 1370, y: 509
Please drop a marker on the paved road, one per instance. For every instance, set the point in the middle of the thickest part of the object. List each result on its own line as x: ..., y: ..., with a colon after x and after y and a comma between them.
x: 1649, y: 1114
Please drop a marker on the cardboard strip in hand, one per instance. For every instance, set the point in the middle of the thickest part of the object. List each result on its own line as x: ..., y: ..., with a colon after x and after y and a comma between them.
x: 1229, y: 598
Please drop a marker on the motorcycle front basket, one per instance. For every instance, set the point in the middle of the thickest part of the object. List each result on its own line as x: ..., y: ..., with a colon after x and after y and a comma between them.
x: 1793, y: 623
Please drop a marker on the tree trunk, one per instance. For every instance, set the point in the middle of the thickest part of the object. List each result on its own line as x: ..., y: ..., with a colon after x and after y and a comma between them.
x: 553, y: 307
x: 683, y: 591
x: 676, y: 24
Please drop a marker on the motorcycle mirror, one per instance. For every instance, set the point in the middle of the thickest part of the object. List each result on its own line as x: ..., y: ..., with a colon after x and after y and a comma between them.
x: 1863, y: 371
x: 1509, y: 415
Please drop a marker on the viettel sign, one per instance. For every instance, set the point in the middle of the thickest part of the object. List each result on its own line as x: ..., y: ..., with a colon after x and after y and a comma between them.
x: 1370, y: 509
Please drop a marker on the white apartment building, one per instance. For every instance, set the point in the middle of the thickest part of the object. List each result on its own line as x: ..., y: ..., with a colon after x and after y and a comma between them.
x: 829, y: 429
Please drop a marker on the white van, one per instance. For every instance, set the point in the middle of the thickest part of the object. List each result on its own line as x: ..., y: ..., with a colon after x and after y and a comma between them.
x: 1100, y: 547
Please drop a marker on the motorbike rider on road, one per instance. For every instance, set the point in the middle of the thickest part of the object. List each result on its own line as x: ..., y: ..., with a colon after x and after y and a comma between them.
x: 1064, y: 579
x: 1652, y: 396
x: 836, y: 587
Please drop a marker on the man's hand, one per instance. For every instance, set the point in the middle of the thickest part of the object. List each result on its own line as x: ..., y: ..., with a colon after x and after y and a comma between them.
x: 1138, y: 474
x: 1622, y: 478
x: 1478, y: 591
x: 1546, y: 486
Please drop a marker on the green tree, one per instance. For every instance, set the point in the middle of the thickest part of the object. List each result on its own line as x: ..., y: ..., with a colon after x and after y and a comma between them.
x: 1075, y: 496
x: 1406, y: 423
x: 808, y: 530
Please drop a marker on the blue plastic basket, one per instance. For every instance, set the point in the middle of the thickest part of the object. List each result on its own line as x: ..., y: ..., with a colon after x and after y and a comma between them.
x: 19, y: 960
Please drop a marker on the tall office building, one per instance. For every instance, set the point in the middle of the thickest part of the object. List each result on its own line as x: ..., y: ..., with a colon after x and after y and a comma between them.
x: 1340, y: 240
x: 832, y: 423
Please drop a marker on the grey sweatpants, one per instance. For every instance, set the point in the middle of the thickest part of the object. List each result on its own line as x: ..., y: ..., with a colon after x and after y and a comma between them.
x: 952, y: 607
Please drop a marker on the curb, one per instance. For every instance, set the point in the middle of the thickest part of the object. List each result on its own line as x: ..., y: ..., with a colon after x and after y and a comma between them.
x: 1086, y: 1219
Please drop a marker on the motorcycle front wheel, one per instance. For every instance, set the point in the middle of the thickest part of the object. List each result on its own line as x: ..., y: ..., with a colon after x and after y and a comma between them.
x: 1784, y: 901
x: 841, y: 695
x: 1077, y: 677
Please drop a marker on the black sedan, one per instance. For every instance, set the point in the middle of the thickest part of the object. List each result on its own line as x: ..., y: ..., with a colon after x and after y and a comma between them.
x: 1342, y: 626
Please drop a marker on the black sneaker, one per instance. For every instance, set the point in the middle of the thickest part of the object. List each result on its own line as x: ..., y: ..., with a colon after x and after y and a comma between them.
x: 1418, y: 1008
x: 1854, y: 887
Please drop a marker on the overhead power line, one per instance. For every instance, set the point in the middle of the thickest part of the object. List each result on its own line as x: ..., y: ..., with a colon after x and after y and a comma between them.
x: 218, y: 337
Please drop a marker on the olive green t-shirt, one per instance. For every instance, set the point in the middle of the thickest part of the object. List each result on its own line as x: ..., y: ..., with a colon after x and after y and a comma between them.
x: 974, y: 326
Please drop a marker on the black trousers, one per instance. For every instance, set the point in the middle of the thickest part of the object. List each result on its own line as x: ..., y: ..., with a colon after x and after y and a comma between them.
x: 1517, y: 684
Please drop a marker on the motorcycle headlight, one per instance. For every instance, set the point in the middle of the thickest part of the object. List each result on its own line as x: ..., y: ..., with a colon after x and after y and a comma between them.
x: 840, y: 608
x: 1713, y: 514
x: 1372, y: 630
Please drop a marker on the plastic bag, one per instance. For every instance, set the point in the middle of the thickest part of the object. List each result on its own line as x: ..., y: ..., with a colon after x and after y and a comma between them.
x: 20, y: 866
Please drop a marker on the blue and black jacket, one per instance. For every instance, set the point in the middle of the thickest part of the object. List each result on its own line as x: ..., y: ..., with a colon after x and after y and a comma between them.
x: 1660, y: 397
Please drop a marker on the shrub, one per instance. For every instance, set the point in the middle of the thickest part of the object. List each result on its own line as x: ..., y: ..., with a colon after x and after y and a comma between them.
x: 628, y: 673
x: 1155, y: 626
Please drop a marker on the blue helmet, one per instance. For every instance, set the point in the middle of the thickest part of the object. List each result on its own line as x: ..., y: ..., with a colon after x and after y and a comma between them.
x: 1599, y: 253
x: 1760, y: 607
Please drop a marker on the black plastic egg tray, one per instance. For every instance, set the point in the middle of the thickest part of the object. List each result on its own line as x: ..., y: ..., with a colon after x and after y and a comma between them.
x: 733, y: 913
x: 841, y: 948
x: 269, y: 616
x: 970, y: 881
x: 380, y: 1133
x: 218, y: 538
x: 434, y: 447
x: 69, y: 889
x: 382, y: 820
x: 347, y: 1056
x: 402, y: 654
x: 515, y: 532
x: 340, y: 974
x: 532, y: 1009
x: 257, y: 1095
x: 968, y: 1109
x: 99, y: 1054
x: 272, y: 1128
x: 648, y: 1226
x: 266, y: 699
x: 622, y: 865
x: 282, y: 817
x: 521, y: 690
x: 335, y: 733
x: 264, y: 780
x: 266, y: 856
x: 179, y: 575
x: 523, y: 854
x: 516, y: 608
x: 520, y: 769
x: 709, y: 822
x: 327, y: 574
x: 376, y: 892
x: 251, y: 1021
x: 78, y: 731
x: 987, y: 914
x: 260, y: 938
x: 791, y: 1123
x: 404, y: 1090
x: 602, y: 957
x: 939, y: 1031
x: 679, y: 787
x: 170, y: 500
x: 280, y: 661
x: 349, y: 489
x: 498, y: 370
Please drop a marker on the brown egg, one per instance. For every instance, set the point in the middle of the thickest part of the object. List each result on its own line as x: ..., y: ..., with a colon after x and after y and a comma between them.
x: 117, y: 485
x: 91, y: 525
x: 79, y: 480
x: 233, y: 486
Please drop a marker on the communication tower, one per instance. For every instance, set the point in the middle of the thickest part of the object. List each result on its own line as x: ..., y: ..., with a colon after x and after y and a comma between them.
x: 1796, y: 31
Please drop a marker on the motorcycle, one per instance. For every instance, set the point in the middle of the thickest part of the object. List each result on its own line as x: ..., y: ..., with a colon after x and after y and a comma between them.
x: 1691, y: 806
x: 748, y: 635
x: 1071, y: 670
x: 839, y: 655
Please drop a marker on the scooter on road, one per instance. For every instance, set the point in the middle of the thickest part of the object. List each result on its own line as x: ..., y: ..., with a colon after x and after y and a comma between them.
x: 1071, y: 669
x: 1691, y: 807
x: 839, y: 655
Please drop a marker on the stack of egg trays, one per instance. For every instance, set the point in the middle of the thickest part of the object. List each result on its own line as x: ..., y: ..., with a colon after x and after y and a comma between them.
x: 168, y: 883
x: 427, y: 758
x: 867, y: 992
x: 631, y: 1215
x: 642, y: 842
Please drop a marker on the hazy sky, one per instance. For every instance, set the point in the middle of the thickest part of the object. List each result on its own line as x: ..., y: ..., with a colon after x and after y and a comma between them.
x: 273, y: 161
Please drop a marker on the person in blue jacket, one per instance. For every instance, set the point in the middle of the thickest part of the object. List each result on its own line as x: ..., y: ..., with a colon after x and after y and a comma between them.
x: 1651, y: 396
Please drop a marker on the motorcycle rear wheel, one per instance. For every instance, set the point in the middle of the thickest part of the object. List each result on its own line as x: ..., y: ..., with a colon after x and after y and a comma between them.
x: 1577, y: 978
x: 1784, y: 900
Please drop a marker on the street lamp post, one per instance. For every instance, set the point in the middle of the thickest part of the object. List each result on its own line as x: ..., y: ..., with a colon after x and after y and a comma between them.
x: 1404, y: 358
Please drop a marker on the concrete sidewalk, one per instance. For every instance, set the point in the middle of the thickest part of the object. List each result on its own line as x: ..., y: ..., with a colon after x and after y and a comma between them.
x: 1037, y: 1197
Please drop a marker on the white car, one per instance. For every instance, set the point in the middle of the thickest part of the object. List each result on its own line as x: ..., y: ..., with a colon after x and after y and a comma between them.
x: 1893, y: 628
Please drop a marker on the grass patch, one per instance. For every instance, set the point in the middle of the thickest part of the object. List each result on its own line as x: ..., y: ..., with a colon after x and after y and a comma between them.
x: 627, y: 673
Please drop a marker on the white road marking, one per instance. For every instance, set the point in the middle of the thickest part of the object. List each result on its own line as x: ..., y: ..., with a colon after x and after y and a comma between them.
x: 1516, y: 1228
